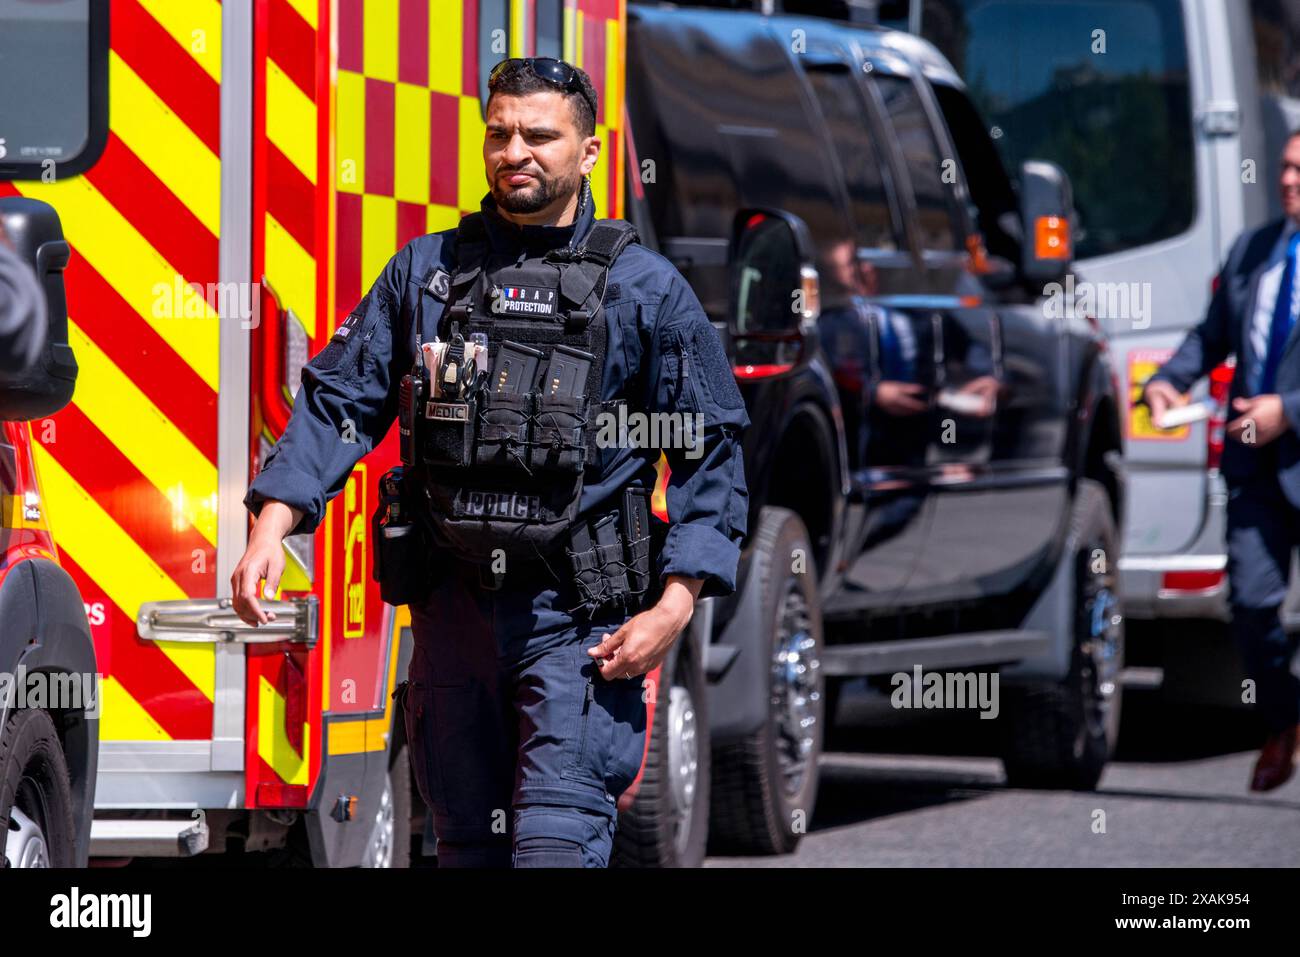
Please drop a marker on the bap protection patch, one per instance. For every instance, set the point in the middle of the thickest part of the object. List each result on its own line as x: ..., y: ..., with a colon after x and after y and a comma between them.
x: 523, y: 300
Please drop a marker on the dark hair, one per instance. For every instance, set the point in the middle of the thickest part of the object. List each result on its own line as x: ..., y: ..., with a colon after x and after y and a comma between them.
x: 518, y: 79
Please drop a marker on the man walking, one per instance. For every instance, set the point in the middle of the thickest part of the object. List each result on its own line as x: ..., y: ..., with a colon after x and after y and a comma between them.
x: 502, y: 346
x: 1253, y: 315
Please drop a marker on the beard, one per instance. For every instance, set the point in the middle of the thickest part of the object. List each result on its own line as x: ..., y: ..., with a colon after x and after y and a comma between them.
x: 535, y: 198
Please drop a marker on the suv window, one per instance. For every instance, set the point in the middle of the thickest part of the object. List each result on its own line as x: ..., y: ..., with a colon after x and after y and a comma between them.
x: 54, y: 78
x: 845, y: 114
x: 934, y: 199
x: 1119, y: 124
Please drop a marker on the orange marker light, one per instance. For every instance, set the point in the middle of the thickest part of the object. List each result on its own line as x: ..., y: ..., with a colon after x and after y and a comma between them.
x: 1052, y: 237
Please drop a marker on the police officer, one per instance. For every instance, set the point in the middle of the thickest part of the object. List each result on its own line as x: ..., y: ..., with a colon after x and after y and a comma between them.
x: 525, y: 702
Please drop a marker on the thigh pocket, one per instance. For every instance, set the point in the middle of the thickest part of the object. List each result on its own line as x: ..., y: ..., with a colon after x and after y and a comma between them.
x: 456, y: 754
x: 608, y: 739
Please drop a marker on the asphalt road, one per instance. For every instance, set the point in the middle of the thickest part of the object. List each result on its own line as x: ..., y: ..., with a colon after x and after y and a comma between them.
x: 928, y: 792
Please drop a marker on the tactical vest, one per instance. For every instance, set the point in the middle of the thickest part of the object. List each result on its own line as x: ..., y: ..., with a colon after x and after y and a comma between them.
x: 500, y: 458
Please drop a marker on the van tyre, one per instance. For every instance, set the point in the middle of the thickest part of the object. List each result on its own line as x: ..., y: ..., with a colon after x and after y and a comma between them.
x: 36, y: 818
x: 1061, y: 734
x: 765, y: 785
x: 668, y: 822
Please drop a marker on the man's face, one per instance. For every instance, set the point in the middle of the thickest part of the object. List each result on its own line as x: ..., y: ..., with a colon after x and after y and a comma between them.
x: 1291, y: 178
x: 533, y: 155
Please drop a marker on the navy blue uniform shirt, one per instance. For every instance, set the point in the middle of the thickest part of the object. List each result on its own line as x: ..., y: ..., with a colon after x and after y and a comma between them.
x: 662, y: 356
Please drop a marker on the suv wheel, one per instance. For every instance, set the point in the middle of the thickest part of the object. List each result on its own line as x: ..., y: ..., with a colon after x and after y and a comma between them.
x: 765, y: 785
x: 1061, y: 734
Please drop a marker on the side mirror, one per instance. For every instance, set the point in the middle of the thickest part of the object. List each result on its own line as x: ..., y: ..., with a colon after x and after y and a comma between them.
x: 36, y: 234
x: 1047, y: 214
x: 775, y: 293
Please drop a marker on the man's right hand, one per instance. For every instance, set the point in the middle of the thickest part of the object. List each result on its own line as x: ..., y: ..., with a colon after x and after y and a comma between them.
x: 1160, y: 397
x: 263, y: 559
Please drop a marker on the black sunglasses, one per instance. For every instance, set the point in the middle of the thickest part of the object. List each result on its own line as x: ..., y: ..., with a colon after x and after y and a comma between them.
x: 555, y: 72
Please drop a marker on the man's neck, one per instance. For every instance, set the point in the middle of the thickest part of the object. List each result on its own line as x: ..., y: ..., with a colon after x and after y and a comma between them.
x: 557, y: 214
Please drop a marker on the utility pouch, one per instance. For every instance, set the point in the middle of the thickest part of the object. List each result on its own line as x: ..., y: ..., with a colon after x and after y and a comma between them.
x: 559, y: 443
x: 449, y: 426
x: 503, y: 424
x: 611, y: 558
x: 403, y: 564
x: 636, y: 543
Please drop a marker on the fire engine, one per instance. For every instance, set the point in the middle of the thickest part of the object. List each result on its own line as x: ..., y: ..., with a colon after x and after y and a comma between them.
x: 230, y: 178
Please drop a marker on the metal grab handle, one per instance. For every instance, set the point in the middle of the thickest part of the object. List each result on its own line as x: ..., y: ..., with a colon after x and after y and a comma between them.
x: 214, y: 620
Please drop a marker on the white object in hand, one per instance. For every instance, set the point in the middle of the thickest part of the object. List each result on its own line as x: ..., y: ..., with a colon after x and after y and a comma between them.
x: 1181, y: 415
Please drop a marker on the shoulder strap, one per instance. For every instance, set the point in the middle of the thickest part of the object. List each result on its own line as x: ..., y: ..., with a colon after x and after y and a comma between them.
x: 604, y: 242
x: 472, y: 249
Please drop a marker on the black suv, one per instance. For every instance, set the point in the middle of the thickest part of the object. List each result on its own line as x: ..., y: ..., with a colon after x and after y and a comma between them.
x: 933, y: 460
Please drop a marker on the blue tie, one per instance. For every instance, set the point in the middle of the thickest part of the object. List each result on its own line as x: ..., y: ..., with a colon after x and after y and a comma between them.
x: 1280, y: 330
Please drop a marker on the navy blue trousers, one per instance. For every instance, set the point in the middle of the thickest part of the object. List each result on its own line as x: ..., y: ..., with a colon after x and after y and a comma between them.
x: 520, y: 748
x: 1263, y: 530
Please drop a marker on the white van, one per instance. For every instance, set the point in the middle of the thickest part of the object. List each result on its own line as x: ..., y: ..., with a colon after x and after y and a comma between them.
x: 1169, y: 116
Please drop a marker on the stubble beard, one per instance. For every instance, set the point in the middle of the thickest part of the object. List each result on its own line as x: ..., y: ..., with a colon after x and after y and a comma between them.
x: 535, y: 198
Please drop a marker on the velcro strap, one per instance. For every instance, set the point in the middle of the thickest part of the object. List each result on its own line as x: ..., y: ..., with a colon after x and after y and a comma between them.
x: 578, y: 279
x: 607, y: 238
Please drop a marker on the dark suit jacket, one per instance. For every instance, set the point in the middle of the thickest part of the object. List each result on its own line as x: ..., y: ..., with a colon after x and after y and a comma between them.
x: 1226, y: 331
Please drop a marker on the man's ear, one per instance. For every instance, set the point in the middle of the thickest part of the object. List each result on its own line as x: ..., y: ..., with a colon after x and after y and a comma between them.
x: 590, y: 153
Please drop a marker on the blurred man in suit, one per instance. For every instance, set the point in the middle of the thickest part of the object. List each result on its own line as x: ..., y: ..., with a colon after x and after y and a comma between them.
x: 1253, y: 315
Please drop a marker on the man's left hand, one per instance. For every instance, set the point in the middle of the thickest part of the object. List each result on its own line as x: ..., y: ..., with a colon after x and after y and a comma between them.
x: 1261, y: 421
x: 642, y: 644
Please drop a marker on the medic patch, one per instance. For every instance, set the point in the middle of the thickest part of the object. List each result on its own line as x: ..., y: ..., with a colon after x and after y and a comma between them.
x: 440, y: 285
x: 457, y: 412
x: 523, y: 300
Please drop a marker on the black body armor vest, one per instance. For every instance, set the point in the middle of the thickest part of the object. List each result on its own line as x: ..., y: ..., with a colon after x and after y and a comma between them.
x: 498, y: 443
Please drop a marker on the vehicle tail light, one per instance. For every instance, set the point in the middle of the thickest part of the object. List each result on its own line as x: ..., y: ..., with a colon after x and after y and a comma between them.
x: 1052, y: 237
x: 1220, y: 380
x: 1192, y: 580
x: 761, y: 371
x: 274, y: 794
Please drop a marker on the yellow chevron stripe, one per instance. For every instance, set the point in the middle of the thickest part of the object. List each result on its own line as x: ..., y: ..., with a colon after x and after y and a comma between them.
x: 291, y: 121
x: 357, y: 736
x: 350, y: 127
x: 273, y: 745
x: 306, y: 9
x: 613, y: 78
x: 292, y: 272
x: 380, y: 40
x: 600, y: 175
x: 117, y: 564
x: 445, y: 48
x: 122, y: 718
x: 164, y: 143
x: 378, y: 235
x: 573, y: 35
x: 195, y: 25
x: 126, y: 261
x: 144, y: 434
x: 470, y: 184
x: 518, y: 25
x: 439, y: 218
x: 411, y: 146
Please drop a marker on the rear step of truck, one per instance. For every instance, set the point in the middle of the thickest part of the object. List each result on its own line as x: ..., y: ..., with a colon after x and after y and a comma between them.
x: 948, y: 651
x: 142, y: 837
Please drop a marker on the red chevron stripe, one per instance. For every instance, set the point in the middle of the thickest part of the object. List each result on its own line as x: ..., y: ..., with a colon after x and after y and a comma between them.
x: 413, y: 42
x: 352, y: 25
x: 293, y: 45
x: 290, y: 197
x: 347, y: 282
x: 144, y: 356
x: 162, y: 219
x: 168, y: 69
x: 141, y: 668
x: 380, y: 108
x: 143, y: 512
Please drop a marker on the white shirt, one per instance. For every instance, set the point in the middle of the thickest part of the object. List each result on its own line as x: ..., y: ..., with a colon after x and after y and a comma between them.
x: 1269, y: 282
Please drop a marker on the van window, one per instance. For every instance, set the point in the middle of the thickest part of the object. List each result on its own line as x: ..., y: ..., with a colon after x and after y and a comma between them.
x: 1119, y: 122
x: 1277, y: 46
x: 845, y: 114
x: 53, y: 74
x: 911, y: 125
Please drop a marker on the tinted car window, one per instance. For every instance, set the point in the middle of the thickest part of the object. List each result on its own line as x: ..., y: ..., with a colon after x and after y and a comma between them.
x: 924, y: 164
x: 1119, y: 124
x: 844, y: 111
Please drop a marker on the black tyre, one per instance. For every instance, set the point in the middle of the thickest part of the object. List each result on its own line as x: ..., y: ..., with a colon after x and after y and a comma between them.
x: 1061, y: 734
x: 765, y: 785
x: 668, y: 823
x: 36, y: 819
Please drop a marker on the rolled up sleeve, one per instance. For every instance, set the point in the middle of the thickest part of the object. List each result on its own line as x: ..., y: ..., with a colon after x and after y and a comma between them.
x: 343, y: 408
x: 707, y: 499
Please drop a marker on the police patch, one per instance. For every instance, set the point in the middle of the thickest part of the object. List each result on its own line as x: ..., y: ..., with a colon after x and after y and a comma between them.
x: 439, y: 285
x: 508, y: 506
x: 523, y: 300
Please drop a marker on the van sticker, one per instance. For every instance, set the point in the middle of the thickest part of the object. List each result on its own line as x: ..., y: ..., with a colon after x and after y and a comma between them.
x: 1142, y: 364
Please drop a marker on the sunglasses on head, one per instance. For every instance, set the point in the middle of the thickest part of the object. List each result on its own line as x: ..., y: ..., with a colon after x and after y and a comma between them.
x: 555, y: 72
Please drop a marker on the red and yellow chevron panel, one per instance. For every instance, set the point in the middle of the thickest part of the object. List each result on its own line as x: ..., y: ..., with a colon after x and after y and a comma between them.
x: 128, y: 470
